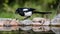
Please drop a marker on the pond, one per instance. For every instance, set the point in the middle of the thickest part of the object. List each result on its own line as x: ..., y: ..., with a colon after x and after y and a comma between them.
x: 30, y: 30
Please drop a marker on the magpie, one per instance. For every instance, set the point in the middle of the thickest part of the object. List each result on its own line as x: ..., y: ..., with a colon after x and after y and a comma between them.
x: 25, y: 11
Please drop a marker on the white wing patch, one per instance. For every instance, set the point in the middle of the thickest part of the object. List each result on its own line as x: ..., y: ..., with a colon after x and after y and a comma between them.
x: 28, y: 13
x: 25, y: 9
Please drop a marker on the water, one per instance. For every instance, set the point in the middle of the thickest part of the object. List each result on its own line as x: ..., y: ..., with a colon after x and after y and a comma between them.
x: 30, y: 30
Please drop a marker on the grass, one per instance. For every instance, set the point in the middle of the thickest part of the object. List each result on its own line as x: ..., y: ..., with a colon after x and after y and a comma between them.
x: 9, y: 15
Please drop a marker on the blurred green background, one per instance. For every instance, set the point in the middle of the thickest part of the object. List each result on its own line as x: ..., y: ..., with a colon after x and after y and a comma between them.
x: 8, y: 7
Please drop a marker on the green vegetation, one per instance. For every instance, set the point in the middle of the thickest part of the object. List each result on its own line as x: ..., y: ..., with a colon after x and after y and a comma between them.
x: 8, y: 7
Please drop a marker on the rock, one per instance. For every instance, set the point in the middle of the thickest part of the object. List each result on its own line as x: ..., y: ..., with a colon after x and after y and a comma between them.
x: 40, y: 21
x: 26, y: 22
x: 56, y: 20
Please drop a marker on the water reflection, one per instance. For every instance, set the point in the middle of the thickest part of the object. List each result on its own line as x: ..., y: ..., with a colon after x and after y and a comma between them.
x: 40, y: 29
x: 56, y: 30
x: 43, y: 29
x: 9, y: 28
x: 25, y: 28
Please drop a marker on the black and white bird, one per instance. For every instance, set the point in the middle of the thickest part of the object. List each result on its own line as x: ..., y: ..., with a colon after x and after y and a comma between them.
x: 25, y: 11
